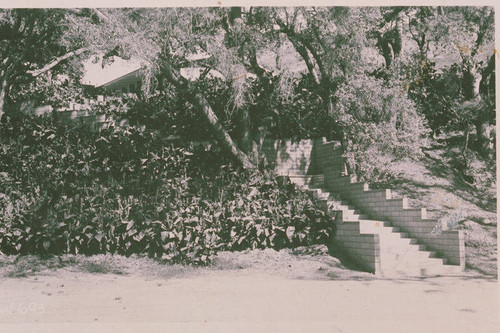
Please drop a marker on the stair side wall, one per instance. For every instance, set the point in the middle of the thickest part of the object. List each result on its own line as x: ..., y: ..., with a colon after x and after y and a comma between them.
x: 364, y: 249
x: 308, y: 157
x: 378, y: 204
x: 288, y: 157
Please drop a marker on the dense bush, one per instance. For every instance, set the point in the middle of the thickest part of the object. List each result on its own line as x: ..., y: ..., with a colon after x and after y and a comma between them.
x: 381, y: 124
x: 434, y: 93
x: 123, y: 190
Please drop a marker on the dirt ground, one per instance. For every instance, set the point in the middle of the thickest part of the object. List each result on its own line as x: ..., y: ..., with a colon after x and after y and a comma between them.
x: 269, y: 291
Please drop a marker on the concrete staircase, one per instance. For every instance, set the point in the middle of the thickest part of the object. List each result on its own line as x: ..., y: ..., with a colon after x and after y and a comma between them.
x: 382, y: 234
x: 377, y: 245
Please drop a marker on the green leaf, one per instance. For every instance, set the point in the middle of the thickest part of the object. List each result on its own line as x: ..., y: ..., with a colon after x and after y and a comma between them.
x: 9, y: 208
x: 290, y: 232
x: 130, y: 224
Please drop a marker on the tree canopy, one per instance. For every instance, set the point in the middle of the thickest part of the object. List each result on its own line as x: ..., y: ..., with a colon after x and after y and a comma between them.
x: 367, y: 76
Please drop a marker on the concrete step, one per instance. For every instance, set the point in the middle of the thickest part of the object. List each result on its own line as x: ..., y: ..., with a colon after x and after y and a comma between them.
x: 400, y: 255
x: 307, y: 179
x: 335, y: 206
x: 418, y: 270
x: 410, y: 261
x: 410, y: 255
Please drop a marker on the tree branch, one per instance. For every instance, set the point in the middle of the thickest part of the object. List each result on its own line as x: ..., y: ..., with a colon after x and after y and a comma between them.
x: 254, y: 64
x: 301, y: 49
x: 100, y: 14
x: 315, y: 55
x: 54, y: 63
x: 199, y: 100
x: 307, y: 59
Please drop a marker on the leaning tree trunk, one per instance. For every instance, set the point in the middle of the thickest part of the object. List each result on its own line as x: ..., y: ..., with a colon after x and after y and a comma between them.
x: 220, y: 133
x: 199, y: 101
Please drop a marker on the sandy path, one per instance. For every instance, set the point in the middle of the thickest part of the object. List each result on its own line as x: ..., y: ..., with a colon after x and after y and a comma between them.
x: 223, y: 300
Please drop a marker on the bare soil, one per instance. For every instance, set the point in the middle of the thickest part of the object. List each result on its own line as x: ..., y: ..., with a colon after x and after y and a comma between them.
x: 433, y: 184
x: 286, y: 291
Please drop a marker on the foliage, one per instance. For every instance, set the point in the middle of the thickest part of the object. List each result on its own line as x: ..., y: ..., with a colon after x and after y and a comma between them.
x: 123, y: 190
x: 381, y: 124
x: 57, y: 92
x: 29, y: 40
x: 435, y: 93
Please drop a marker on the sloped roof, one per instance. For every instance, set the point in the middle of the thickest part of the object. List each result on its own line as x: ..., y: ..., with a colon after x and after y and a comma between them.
x: 95, y: 74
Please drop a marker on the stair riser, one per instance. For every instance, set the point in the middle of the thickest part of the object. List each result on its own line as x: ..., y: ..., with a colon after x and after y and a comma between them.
x: 395, y: 252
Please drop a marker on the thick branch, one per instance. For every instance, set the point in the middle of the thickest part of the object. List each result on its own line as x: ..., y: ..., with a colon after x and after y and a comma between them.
x: 254, y: 65
x: 316, y: 57
x: 200, y: 101
x: 305, y: 56
x: 301, y: 49
x: 54, y: 63
x: 100, y: 14
x: 95, y: 11
x: 319, y: 39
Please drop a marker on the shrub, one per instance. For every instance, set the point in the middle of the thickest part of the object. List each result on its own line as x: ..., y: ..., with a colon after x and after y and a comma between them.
x: 380, y: 125
x: 123, y: 190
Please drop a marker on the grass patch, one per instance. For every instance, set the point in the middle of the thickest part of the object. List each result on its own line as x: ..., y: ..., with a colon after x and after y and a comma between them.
x: 30, y: 265
x: 100, y: 265
x: 24, y: 266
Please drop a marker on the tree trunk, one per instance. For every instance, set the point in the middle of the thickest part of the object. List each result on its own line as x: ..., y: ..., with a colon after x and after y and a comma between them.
x: 198, y: 100
x: 472, y: 78
x: 58, y: 60
x: 220, y: 133
x: 483, y: 127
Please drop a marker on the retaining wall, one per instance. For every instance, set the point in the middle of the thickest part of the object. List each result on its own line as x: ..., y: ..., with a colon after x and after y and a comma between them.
x: 362, y: 248
x: 308, y: 157
x: 288, y: 157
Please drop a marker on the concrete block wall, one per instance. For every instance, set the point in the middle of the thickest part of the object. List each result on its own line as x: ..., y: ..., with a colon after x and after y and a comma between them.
x: 308, y: 157
x: 364, y: 249
x: 288, y: 157
x: 378, y: 204
x: 82, y: 116
x: 75, y: 112
x: 328, y: 155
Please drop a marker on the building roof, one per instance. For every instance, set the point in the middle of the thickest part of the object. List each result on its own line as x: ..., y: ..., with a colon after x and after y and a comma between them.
x: 96, y: 74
